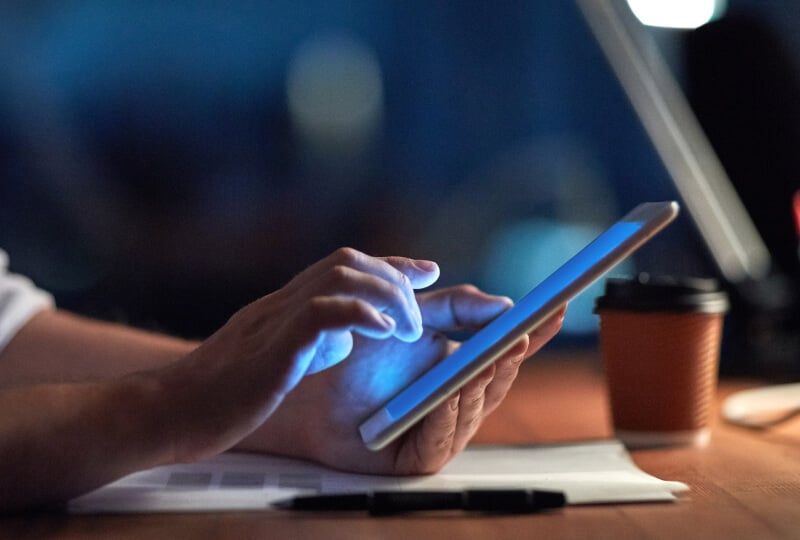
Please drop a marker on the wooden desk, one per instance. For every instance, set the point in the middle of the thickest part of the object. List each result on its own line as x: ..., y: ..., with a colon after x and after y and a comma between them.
x: 745, y: 484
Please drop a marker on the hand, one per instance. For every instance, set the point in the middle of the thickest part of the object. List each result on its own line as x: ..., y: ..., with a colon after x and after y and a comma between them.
x: 234, y: 380
x: 319, y: 419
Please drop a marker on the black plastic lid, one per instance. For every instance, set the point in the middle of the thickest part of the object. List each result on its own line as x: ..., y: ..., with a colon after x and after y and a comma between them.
x: 663, y: 293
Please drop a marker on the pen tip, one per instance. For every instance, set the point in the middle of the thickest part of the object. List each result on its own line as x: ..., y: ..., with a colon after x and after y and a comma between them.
x: 283, y: 504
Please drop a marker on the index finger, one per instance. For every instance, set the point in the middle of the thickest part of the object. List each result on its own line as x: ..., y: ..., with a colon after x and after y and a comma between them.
x: 401, y: 272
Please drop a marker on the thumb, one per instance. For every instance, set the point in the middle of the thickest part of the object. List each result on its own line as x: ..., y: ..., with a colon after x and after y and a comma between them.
x: 461, y: 307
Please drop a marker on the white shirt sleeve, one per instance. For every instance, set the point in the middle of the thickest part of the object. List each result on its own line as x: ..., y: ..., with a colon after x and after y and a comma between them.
x: 20, y: 300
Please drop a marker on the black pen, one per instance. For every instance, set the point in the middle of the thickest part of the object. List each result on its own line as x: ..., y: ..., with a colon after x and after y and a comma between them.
x: 381, y: 503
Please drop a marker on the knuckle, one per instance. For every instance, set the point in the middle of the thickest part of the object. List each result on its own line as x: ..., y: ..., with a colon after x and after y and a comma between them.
x: 347, y: 255
x: 445, y: 441
x: 339, y: 275
x: 325, y: 313
x: 338, y: 279
x: 473, y: 402
x: 472, y: 423
x: 357, y: 309
x: 405, y: 282
x: 314, y: 308
x: 515, y: 362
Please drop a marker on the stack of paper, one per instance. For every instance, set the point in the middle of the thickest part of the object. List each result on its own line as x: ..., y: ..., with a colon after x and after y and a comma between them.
x: 595, y: 472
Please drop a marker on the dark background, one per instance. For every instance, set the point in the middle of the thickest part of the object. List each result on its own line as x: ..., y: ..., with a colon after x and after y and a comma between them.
x: 162, y: 164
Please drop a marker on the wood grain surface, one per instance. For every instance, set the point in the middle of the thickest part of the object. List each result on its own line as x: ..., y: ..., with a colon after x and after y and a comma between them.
x: 745, y: 484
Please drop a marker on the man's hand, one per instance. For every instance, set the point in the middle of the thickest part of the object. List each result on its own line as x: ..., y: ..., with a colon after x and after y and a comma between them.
x: 319, y: 419
x: 301, y: 367
x: 108, y: 401
x: 238, y: 377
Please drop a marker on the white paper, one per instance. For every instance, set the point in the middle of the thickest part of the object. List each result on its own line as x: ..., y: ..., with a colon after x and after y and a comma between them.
x: 594, y: 472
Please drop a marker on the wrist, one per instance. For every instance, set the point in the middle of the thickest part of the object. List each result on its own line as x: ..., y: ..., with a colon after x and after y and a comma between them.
x: 144, y: 418
x: 176, y: 405
x: 293, y: 429
x: 204, y: 407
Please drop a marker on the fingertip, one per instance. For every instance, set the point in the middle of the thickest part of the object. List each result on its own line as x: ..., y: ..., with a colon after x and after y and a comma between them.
x: 426, y: 274
x: 492, y: 306
x: 409, y: 336
x: 556, y: 321
x: 382, y: 326
x: 520, y: 347
x: 503, y: 302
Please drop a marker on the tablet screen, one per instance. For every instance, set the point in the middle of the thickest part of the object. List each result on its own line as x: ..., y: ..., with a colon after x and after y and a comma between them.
x: 444, y: 378
x: 535, y: 300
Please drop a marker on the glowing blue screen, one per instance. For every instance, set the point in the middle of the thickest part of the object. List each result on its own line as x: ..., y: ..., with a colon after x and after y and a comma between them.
x: 573, y: 269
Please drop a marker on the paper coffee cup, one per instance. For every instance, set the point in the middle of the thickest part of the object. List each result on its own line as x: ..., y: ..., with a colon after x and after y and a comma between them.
x: 660, y: 341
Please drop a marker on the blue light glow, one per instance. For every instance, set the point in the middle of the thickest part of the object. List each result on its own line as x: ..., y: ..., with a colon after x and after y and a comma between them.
x: 413, y: 395
x: 525, y: 251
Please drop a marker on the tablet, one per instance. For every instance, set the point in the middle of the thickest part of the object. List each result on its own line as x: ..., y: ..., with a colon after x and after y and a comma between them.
x: 442, y: 380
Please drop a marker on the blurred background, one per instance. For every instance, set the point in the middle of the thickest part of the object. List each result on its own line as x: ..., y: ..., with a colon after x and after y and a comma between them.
x: 164, y: 163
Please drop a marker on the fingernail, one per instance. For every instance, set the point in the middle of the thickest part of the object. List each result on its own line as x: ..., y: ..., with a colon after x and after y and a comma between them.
x: 426, y: 266
x: 388, y: 322
x: 506, y: 300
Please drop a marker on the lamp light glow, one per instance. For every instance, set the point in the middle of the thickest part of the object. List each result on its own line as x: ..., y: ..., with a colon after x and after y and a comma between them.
x: 677, y: 13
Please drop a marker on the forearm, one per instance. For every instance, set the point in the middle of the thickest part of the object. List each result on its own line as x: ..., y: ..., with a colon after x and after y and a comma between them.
x: 56, y: 346
x: 60, y: 440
